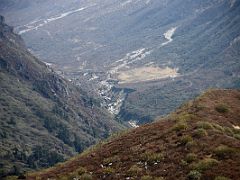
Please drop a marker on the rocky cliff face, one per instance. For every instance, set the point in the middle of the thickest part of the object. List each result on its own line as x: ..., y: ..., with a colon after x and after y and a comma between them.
x: 44, y: 118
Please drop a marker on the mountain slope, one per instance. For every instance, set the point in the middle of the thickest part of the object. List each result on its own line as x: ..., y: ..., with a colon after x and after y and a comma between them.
x: 44, y: 118
x: 201, y: 140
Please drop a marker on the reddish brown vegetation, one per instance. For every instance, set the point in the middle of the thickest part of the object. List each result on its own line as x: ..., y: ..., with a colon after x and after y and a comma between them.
x: 162, y: 149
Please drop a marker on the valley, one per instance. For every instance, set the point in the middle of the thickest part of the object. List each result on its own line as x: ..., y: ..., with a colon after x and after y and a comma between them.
x: 111, y: 44
x: 115, y: 48
x: 75, y: 72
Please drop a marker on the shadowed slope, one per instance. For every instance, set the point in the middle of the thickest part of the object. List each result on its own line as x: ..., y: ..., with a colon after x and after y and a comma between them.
x: 43, y: 117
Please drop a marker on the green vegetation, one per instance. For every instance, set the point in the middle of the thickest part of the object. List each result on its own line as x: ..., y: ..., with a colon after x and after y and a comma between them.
x: 194, y: 175
x: 204, y: 164
x: 147, y: 177
x: 108, y: 170
x: 180, y: 126
x: 184, y: 117
x: 224, y: 151
x: 190, y: 157
x: 81, y: 170
x: 44, y: 118
x: 111, y: 160
x: 152, y: 157
x: 135, y: 170
x: 200, y: 132
x: 221, y: 178
x: 218, y: 127
x: 222, y: 108
x: 86, y: 176
x: 186, y: 140
x: 237, y: 136
x: 204, y: 125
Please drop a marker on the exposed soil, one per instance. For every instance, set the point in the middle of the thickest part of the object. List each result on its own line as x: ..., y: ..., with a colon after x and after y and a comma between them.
x: 146, y: 74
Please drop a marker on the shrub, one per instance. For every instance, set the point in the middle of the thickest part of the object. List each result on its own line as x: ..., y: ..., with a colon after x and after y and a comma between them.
x: 229, y: 131
x: 191, y: 144
x: 190, y: 157
x: 86, y: 176
x: 11, y: 178
x: 218, y: 127
x: 186, y: 139
x: 108, y: 170
x: 151, y: 178
x: 180, y: 126
x: 221, y: 108
x: 71, y: 176
x: 236, y: 131
x: 194, y: 175
x: 135, y: 170
x: 200, y: 107
x: 111, y: 160
x: 200, y: 132
x: 147, y: 178
x: 223, y: 151
x: 158, y: 178
x: 237, y: 136
x: 204, y: 125
x: 183, y: 117
x: 183, y: 163
x: 204, y: 164
x: 221, y: 178
x: 81, y: 170
x: 152, y: 157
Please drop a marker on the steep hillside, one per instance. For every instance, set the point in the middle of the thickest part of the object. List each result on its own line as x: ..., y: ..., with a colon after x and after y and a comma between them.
x: 187, y: 45
x: 201, y: 140
x: 43, y: 117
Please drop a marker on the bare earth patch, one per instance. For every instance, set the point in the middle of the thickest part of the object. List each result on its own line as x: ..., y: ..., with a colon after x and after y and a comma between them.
x: 146, y: 74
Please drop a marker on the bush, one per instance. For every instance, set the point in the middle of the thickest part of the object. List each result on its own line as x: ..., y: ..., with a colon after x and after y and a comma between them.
x: 186, y: 139
x: 152, y: 157
x: 180, y: 126
x: 184, y: 117
x: 81, y: 170
x: 183, y: 163
x: 108, y: 170
x: 221, y: 108
x: 218, y: 127
x: 200, y: 132
x: 229, y: 131
x: 194, y: 175
x: 204, y: 125
x: 223, y: 151
x: 191, y: 144
x: 86, y: 176
x: 135, y: 170
x: 151, y: 178
x: 147, y: 178
x: 191, y: 157
x: 204, y: 164
x: 221, y: 178
x: 236, y: 131
x: 237, y: 136
x: 111, y: 160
